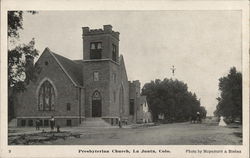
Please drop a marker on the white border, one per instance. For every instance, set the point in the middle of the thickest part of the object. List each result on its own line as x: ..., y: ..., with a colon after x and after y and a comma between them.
x: 72, y: 151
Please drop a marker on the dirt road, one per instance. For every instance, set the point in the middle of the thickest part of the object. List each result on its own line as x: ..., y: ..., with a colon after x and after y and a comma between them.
x: 167, y: 134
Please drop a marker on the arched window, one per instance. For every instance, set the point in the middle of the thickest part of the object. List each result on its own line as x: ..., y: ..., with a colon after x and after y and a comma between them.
x: 46, y: 97
x: 95, y: 50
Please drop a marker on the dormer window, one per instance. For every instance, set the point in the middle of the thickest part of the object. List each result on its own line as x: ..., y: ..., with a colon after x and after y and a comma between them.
x: 95, y: 50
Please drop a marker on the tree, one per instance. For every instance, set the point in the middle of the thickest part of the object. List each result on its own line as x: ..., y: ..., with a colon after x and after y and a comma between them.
x: 203, y: 112
x: 171, y: 98
x: 230, y: 100
x: 19, y: 74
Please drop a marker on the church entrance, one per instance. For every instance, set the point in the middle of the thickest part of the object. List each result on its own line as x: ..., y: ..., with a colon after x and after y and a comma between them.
x: 96, y: 105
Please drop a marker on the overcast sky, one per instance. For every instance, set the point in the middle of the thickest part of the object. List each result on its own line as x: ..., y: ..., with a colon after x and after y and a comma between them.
x: 202, y: 45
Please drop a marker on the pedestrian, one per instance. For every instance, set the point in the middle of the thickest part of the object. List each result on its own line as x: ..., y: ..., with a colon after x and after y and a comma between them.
x: 37, y: 124
x: 52, y: 123
x: 120, y: 123
x: 222, y: 122
x: 198, y: 117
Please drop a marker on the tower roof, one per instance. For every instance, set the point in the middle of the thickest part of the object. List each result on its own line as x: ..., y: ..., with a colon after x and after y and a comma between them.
x: 107, y: 29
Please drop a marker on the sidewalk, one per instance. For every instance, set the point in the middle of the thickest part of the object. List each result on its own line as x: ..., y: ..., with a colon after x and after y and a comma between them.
x: 31, y: 130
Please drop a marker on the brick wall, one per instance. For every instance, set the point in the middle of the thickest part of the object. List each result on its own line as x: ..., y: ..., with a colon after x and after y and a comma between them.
x: 65, y: 92
x: 107, y: 41
x: 102, y: 67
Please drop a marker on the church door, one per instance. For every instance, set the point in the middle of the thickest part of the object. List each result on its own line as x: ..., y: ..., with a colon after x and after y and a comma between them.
x: 96, y: 105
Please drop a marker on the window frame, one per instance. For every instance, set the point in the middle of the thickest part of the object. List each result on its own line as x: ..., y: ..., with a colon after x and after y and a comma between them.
x: 131, y: 106
x: 98, y: 76
x: 68, y: 122
x: 68, y: 107
x: 46, y: 87
x: 114, y: 52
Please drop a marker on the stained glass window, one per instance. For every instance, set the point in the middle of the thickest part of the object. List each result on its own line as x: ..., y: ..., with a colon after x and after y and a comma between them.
x: 46, y: 99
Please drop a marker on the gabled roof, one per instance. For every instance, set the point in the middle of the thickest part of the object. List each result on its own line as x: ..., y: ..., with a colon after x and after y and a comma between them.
x: 71, y: 68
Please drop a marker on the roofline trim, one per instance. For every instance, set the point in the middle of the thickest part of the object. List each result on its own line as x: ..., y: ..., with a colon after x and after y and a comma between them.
x: 62, y: 67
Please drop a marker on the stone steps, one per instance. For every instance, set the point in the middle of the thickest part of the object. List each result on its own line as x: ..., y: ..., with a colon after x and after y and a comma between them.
x: 95, y: 122
x: 13, y: 123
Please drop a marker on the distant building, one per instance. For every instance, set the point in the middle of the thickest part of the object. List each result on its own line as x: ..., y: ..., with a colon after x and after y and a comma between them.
x: 73, y: 90
x: 143, y: 113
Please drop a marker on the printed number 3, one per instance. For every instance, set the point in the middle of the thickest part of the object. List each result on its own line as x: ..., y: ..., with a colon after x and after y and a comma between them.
x: 9, y: 151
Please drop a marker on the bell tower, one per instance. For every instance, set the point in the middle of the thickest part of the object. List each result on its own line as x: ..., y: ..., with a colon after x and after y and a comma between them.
x: 100, y: 44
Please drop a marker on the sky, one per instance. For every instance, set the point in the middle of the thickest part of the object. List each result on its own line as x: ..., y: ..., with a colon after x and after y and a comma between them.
x: 202, y: 45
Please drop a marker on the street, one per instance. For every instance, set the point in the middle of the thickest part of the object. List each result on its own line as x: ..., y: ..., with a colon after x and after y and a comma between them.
x: 164, y: 134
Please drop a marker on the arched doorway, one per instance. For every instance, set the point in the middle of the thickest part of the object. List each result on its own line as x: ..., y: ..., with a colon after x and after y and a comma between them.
x: 96, y: 104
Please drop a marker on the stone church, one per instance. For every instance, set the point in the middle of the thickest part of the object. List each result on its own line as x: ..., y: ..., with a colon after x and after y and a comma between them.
x: 74, y: 91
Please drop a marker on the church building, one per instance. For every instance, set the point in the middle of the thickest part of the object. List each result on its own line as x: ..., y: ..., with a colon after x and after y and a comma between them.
x: 73, y: 91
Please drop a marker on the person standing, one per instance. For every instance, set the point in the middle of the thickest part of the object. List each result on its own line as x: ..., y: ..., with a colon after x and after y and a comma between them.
x: 222, y: 122
x: 198, y: 117
x: 52, y: 123
x: 37, y: 124
x: 119, y: 122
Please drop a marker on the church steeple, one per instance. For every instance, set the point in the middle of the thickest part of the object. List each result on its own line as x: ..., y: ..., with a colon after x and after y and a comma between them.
x: 100, y: 43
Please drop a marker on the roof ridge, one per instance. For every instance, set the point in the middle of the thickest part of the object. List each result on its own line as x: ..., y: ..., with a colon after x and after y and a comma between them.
x: 64, y: 57
x: 61, y: 65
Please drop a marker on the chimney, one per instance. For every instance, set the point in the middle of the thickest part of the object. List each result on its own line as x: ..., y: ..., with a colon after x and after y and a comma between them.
x: 29, y: 66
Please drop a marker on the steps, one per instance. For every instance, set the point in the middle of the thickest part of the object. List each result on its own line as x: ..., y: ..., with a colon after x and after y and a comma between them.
x: 95, y: 122
x: 13, y: 123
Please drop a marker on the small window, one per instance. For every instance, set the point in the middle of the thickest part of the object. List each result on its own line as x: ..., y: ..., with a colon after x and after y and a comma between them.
x: 30, y: 123
x: 46, y: 63
x: 95, y: 45
x: 112, y: 121
x: 99, y: 45
x: 41, y: 122
x: 117, y: 121
x: 92, y: 46
x: 95, y: 50
x: 68, y: 107
x: 46, y: 122
x: 114, y: 96
x: 131, y: 106
x: 96, y: 76
x: 114, y: 77
x: 23, y: 122
x: 68, y: 123
x: 114, y: 52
